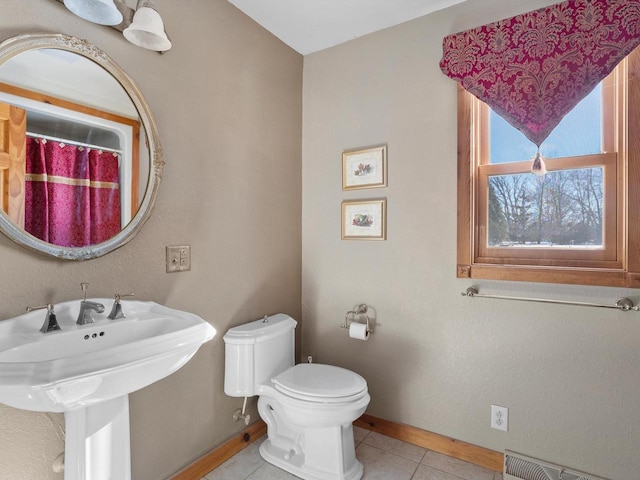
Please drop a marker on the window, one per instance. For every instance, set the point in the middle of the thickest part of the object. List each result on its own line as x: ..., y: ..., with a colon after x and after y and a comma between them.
x: 578, y: 223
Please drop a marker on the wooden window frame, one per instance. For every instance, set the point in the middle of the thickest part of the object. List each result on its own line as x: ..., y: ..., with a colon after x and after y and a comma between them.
x: 618, y: 263
x: 612, y: 247
x: 13, y: 125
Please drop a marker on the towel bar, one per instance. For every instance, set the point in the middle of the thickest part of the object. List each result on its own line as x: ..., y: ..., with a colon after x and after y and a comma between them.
x: 623, y: 304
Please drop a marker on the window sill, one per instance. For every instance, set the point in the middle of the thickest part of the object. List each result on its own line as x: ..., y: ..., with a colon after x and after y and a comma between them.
x: 545, y: 274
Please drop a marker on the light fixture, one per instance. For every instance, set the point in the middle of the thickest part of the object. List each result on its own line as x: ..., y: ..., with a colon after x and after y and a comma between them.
x: 147, y: 29
x: 103, y: 12
x: 142, y: 27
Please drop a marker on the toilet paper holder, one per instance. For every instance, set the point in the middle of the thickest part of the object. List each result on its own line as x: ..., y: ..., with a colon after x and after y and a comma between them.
x: 353, y: 316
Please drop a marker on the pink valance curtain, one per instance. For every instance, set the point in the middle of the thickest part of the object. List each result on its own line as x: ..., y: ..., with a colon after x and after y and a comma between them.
x: 72, y: 194
x: 532, y: 69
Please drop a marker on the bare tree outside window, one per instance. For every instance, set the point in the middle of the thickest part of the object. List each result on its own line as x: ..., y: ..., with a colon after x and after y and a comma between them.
x: 561, y: 209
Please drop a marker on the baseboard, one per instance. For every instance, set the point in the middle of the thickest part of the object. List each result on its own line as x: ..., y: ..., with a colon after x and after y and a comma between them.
x: 433, y: 441
x: 416, y: 436
x: 224, y: 452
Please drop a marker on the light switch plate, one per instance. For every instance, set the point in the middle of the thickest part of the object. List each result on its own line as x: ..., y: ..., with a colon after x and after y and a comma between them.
x: 178, y: 258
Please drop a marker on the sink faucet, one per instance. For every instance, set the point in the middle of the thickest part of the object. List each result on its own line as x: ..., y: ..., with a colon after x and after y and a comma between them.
x: 86, y: 307
x: 50, y: 321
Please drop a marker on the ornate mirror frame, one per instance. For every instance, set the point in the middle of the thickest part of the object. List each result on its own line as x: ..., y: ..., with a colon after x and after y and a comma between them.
x: 24, y: 43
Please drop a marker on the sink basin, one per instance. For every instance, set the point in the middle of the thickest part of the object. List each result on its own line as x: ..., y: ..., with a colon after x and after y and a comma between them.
x: 88, y: 371
x: 81, y: 365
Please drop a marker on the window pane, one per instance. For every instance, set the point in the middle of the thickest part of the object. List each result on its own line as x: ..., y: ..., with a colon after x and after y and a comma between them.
x: 560, y: 209
x: 579, y: 133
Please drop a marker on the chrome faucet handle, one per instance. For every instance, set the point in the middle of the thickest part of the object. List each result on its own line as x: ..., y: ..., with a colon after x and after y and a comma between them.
x: 116, y: 310
x: 50, y: 321
x: 84, y: 287
x: 118, y: 296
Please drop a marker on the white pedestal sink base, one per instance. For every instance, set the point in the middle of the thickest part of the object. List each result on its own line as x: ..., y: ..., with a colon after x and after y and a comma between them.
x: 97, y: 442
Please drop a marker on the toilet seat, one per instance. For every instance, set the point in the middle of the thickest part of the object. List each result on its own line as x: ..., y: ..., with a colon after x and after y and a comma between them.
x: 314, y: 382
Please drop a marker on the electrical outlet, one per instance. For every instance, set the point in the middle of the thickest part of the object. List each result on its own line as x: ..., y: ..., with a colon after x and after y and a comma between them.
x: 178, y: 258
x: 500, y: 418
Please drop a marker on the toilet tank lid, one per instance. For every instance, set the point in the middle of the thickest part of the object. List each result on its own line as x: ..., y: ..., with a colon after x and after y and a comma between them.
x: 259, y: 330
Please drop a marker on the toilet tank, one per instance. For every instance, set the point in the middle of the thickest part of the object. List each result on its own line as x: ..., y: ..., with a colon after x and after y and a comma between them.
x: 257, y: 351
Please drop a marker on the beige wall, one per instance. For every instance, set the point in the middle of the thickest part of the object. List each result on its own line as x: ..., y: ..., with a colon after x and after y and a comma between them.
x: 227, y: 100
x: 569, y: 375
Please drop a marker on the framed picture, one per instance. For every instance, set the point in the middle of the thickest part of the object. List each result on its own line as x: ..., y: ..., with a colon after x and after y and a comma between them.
x: 364, y: 219
x: 364, y: 168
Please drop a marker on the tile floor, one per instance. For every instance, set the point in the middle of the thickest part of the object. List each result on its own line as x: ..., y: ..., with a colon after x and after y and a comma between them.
x: 384, y: 458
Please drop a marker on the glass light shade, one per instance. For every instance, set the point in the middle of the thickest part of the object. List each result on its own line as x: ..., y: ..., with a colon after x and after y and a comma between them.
x: 103, y: 12
x: 147, y: 30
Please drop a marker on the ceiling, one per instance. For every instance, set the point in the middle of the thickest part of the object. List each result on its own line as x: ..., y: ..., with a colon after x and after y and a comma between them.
x: 308, y: 26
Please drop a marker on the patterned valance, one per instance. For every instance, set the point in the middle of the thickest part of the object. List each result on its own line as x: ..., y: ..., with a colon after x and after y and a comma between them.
x: 532, y: 69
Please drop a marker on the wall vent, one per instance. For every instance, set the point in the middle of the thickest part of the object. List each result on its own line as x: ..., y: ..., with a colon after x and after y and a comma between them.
x: 520, y: 467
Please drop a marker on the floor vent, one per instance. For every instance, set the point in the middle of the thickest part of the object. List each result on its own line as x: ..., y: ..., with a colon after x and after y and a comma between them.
x: 520, y: 467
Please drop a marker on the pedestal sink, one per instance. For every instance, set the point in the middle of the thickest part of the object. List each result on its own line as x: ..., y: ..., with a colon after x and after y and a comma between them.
x: 88, y: 371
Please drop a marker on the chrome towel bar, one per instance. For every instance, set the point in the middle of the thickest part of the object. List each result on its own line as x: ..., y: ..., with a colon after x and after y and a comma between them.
x: 623, y: 304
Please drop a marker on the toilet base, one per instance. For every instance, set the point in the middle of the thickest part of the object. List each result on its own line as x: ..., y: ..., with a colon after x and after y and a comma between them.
x: 295, y: 464
x: 311, y: 440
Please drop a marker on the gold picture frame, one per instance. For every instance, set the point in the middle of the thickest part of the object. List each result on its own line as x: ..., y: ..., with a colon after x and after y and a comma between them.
x: 364, y: 219
x: 364, y: 168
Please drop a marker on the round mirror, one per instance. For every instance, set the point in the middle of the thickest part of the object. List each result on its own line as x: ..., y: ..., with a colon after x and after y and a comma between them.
x: 80, y: 160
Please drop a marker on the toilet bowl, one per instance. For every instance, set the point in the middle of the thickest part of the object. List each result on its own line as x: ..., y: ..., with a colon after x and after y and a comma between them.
x: 309, y: 409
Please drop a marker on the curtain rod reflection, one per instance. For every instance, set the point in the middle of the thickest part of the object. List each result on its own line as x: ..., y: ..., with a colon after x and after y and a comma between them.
x: 72, y: 142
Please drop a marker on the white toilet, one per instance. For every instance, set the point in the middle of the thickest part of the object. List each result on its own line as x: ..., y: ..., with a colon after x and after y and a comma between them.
x: 308, y: 408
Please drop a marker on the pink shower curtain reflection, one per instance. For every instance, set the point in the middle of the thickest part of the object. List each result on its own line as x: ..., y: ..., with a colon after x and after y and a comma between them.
x: 72, y: 194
